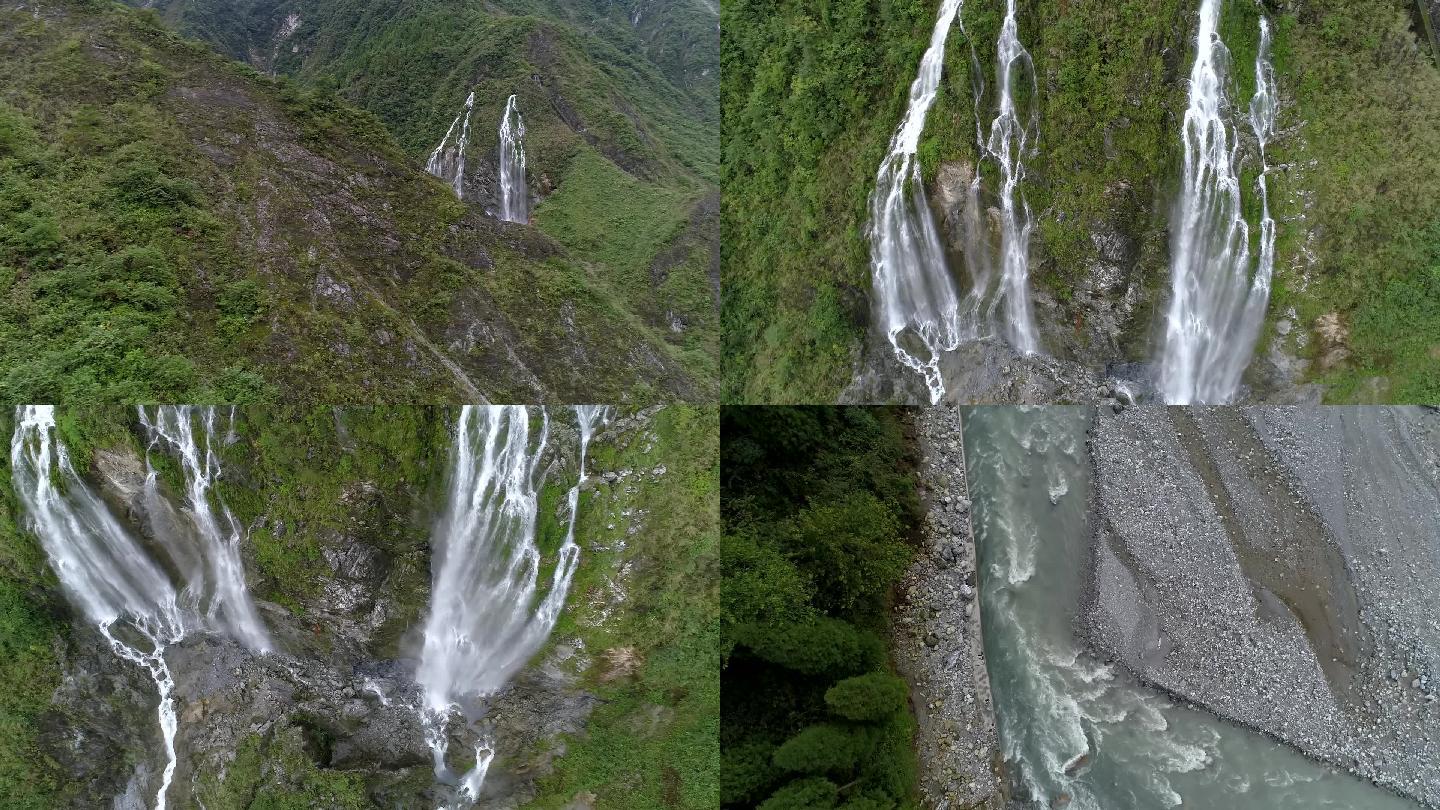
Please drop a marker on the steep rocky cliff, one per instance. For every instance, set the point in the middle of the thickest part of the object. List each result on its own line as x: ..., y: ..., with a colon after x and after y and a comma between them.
x: 338, y: 505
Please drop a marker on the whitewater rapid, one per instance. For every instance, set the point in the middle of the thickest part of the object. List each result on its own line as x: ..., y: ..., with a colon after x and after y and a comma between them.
x: 1076, y: 731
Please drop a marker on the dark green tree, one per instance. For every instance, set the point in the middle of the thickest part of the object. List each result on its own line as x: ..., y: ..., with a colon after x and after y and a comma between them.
x: 870, y: 697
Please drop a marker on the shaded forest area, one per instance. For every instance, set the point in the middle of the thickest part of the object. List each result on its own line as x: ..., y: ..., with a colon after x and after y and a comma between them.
x: 820, y: 512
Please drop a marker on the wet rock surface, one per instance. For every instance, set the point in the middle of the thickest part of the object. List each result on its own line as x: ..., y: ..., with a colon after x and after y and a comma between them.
x: 936, y: 634
x: 1278, y: 568
x: 340, y: 692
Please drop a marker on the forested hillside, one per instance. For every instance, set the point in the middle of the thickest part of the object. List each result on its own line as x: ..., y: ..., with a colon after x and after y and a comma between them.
x: 819, y: 514
x: 177, y: 226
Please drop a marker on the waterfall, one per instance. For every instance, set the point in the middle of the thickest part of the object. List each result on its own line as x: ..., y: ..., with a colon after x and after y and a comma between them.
x: 917, y: 301
x: 229, y: 608
x: 1217, y: 304
x: 1010, y: 138
x: 483, y: 623
x: 113, y: 578
x: 448, y: 160
x: 514, y: 193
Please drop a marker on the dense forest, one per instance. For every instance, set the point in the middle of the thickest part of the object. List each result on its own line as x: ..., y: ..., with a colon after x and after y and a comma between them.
x: 819, y: 511
x: 812, y: 91
x: 177, y: 226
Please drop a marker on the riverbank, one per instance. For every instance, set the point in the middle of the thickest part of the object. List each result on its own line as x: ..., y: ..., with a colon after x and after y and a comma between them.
x: 936, y: 632
x: 1276, y: 568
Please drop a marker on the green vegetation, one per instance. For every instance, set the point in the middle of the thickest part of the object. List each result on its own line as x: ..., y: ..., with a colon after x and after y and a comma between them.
x: 176, y: 227
x: 652, y: 741
x: 819, y: 513
x: 811, y: 93
x: 1368, y: 91
x: 30, y: 621
x: 277, y: 772
x: 315, y: 477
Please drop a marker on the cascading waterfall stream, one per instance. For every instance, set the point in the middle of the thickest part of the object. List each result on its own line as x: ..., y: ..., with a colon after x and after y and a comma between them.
x: 113, y: 578
x: 1010, y: 140
x: 230, y: 607
x: 915, y: 296
x: 483, y: 624
x: 917, y: 301
x: 514, y: 192
x: 448, y: 160
x: 1217, y: 303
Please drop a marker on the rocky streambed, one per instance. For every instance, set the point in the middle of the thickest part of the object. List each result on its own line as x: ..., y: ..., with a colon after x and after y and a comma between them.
x: 1279, y: 568
x: 936, y: 633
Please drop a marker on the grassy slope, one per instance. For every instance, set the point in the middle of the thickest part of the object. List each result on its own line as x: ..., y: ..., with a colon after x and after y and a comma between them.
x: 652, y: 743
x: 809, y: 94
x: 1369, y: 95
x: 156, y: 244
x: 1111, y: 93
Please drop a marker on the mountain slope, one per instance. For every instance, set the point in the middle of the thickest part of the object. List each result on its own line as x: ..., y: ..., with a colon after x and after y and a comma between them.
x: 637, y: 89
x: 174, y: 226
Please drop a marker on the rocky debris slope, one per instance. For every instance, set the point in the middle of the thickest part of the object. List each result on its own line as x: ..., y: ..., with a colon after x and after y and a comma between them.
x: 1278, y: 567
x: 936, y: 633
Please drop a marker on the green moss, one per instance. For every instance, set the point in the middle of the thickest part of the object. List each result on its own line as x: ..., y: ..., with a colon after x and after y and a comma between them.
x: 318, y: 474
x: 277, y: 772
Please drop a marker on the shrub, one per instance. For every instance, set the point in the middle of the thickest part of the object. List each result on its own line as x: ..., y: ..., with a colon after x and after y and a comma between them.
x: 820, y: 647
x: 821, y: 749
x: 806, y: 794
x: 856, y: 542
x: 874, y: 800
x: 874, y: 696
x: 746, y: 771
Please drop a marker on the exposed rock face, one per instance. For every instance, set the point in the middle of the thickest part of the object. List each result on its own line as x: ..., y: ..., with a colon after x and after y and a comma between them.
x: 978, y: 372
x: 936, y: 634
x: 339, y: 696
x: 1277, y: 567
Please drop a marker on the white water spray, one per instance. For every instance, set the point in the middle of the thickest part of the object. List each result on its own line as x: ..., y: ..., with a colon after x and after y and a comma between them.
x: 114, y: 579
x: 917, y: 301
x: 447, y: 162
x: 514, y: 192
x: 1011, y: 139
x: 229, y: 608
x: 1217, y: 301
x: 483, y: 623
